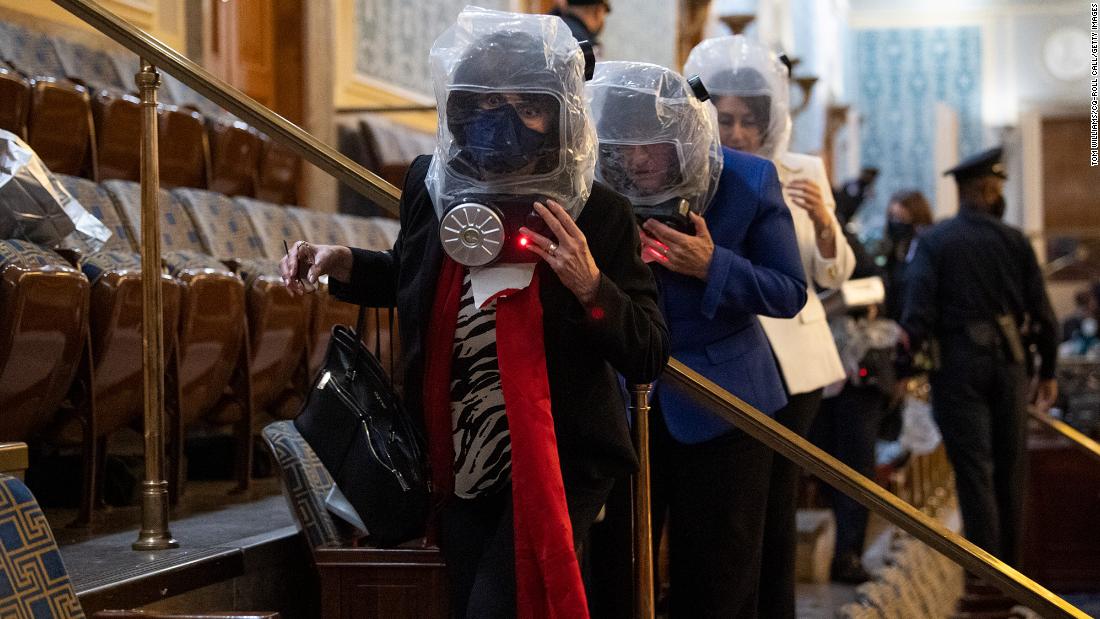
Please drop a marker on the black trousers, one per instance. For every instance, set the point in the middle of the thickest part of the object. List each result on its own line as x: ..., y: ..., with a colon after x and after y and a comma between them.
x: 847, y: 428
x: 780, y: 538
x: 979, y: 401
x: 715, y: 495
x: 478, y: 543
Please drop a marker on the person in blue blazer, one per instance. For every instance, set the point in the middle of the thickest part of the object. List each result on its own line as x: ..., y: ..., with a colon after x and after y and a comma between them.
x: 733, y: 255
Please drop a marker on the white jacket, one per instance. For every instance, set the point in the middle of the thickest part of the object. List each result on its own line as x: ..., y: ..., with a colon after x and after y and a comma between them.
x: 804, y: 345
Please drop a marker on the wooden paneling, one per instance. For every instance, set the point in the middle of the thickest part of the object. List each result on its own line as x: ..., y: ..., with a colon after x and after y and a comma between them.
x: 1060, y: 540
x: 362, y: 583
x: 253, y: 67
x: 289, y: 71
x: 1071, y: 203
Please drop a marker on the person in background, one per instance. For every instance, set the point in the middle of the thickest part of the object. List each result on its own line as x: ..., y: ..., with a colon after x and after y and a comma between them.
x: 906, y: 216
x: 854, y: 193
x: 749, y: 86
x: 739, y: 259
x: 972, y: 283
x: 1084, y: 306
x: 585, y: 18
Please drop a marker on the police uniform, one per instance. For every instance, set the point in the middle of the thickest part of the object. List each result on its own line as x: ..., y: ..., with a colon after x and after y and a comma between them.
x: 576, y: 25
x: 973, y: 282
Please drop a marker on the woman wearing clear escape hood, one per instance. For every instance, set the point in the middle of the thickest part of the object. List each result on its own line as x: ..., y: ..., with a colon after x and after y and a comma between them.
x: 750, y: 88
x: 715, y: 226
x: 521, y: 293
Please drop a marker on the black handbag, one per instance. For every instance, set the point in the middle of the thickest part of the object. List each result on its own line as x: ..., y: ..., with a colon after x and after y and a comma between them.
x: 353, y: 419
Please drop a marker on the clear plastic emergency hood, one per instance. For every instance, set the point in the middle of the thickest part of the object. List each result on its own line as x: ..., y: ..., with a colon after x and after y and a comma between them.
x: 658, y: 139
x: 513, y: 121
x: 736, y: 66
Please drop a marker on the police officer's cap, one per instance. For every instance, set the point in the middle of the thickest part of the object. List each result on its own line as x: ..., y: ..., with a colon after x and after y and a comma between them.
x: 986, y: 163
x: 605, y: 3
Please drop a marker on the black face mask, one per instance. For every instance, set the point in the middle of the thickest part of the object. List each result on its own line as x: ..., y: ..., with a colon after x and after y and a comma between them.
x: 997, y: 208
x: 498, y: 142
x: 899, y: 231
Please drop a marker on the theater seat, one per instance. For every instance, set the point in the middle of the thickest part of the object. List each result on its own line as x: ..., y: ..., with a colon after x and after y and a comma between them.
x: 280, y: 171
x: 37, y: 583
x: 306, y: 484
x: 60, y: 128
x: 15, y: 101
x: 235, y: 150
x: 59, y: 122
x: 117, y: 394
x: 273, y: 225
x: 277, y: 320
x: 91, y: 67
x: 43, y: 325
x: 211, y: 347
x: 118, y: 135
x: 184, y: 150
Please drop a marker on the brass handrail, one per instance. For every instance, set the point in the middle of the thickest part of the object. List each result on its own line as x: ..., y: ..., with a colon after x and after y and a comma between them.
x: 726, y: 405
x: 837, y: 474
x: 1079, y: 439
x: 385, y: 109
x: 288, y: 134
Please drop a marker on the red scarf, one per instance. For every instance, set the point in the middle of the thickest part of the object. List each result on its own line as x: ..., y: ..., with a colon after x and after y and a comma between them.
x: 548, y: 578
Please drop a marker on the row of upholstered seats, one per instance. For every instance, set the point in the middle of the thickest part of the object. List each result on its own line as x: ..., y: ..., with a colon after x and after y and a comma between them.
x: 237, y: 343
x: 916, y: 581
x: 77, y: 108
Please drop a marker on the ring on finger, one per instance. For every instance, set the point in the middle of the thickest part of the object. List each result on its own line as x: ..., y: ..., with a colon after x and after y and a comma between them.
x: 552, y: 249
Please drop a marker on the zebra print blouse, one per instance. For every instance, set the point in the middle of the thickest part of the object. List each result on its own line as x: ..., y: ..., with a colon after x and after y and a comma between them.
x: 482, y: 446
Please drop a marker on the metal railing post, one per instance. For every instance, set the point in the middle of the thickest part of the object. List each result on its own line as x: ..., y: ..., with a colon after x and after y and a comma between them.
x: 644, y: 607
x: 154, y: 534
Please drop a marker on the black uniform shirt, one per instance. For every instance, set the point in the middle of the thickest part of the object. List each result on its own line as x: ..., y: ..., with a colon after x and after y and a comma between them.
x: 577, y: 27
x: 972, y: 268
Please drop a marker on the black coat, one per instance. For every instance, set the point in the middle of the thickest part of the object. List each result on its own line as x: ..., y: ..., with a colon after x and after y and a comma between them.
x: 972, y: 268
x: 583, y: 353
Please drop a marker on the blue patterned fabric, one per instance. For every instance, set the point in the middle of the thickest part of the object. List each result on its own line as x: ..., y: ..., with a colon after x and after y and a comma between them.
x: 31, y: 52
x: 364, y: 232
x: 306, y: 483
x: 222, y: 224
x: 177, y: 231
x: 182, y: 261
x: 101, y: 263
x: 901, y: 75
x: 28, y: 256
x: 319, y: 228
x: 33, y: 580
x: 273, y: 225
x: 92, y: 66
x: 98, y: 202
x: 252, y: 269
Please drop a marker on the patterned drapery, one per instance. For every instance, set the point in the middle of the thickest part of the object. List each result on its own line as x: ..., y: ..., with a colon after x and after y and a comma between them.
x: 900, y: 75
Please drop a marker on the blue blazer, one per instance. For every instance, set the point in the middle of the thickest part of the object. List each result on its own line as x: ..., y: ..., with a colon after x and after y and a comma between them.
x: 756, y: 269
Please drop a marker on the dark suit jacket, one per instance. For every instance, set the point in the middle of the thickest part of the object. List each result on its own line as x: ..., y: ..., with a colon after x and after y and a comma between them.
x: 583, y: 353
x: 756, y: 269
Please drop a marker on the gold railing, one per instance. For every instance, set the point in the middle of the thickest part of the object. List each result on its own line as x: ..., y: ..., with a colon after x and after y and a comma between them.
x: 249, y: 110
x: 837, y: 474
x: 1077, y: 438
x: 156, y: 55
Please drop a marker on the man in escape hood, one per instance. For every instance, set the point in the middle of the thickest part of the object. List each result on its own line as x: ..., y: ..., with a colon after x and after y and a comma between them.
x: 510, y: 362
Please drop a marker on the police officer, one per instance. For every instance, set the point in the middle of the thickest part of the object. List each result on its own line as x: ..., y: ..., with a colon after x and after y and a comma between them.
x: 975, y: 285
x: 585, y: 19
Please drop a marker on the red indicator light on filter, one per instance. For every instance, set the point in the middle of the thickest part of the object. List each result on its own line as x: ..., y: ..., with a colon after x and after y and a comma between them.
x: 523, y: 241
x: 863, y: 372
x: 597, y: 313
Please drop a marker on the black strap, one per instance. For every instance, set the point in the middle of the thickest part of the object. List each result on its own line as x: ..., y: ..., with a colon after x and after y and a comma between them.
x: 361, y: 322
